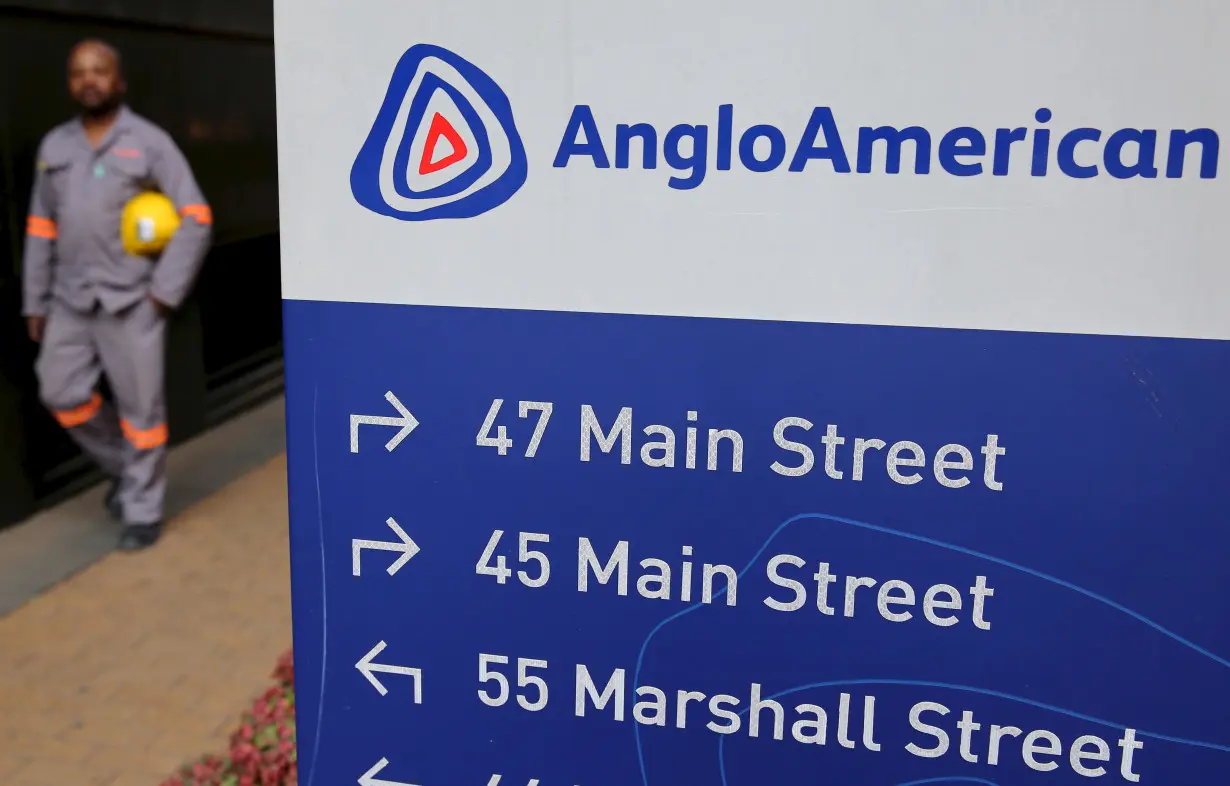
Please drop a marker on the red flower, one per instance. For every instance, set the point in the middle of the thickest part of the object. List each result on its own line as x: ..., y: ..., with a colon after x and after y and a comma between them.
x: 244, y: 752
x: 285, y: 671
x: 262, y: 749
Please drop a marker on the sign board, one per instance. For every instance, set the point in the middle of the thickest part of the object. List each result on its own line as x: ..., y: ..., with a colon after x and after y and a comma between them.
x: 757, y: 393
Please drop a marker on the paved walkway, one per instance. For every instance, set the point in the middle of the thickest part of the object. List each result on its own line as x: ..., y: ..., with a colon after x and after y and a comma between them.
x: 139, y: 662
x: 56, y: 543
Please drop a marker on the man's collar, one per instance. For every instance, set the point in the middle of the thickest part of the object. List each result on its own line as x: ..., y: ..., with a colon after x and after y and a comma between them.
x: 122, y: 121
x: 123, y: 118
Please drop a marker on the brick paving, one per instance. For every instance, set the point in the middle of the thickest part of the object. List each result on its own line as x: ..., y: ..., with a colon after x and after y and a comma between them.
x: 122, y: 672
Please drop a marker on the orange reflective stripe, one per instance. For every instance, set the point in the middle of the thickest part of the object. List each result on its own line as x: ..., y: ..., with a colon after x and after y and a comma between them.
x: 71, y: 418
x: 144, y: 439
x: 201, y: 213
x: 36, y: 226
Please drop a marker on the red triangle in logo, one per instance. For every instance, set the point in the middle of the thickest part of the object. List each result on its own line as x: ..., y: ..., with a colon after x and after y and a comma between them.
x: 440, y: 127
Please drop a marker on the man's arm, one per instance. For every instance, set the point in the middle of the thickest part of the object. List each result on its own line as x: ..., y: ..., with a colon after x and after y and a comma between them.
x: 41, y: 233
x: 177, y: 269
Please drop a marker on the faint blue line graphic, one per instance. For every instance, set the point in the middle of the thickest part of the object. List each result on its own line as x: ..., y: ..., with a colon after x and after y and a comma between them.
x: 951, y: 779
x: 324, y: 604
x: 640, y: 658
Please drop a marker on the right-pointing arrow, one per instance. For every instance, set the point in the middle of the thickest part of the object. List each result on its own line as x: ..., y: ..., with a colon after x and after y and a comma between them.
x: 407, y: 547
x: 368, y: 669
x: 407, y: 422
x: 369, y: 778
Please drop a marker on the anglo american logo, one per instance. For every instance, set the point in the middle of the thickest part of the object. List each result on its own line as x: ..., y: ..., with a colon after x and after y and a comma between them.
x: 444, y: 143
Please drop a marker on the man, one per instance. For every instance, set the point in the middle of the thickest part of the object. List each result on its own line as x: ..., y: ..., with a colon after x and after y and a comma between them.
x: 96, y: 309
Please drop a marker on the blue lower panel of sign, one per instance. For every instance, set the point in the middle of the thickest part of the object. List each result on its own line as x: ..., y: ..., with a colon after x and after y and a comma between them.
x: 597, y: 550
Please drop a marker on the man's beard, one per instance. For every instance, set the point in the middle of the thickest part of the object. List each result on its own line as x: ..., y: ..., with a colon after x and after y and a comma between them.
x: 103, y: 108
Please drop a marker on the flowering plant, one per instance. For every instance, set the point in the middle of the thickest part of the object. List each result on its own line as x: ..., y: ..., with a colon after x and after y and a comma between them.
x: 262, y: 750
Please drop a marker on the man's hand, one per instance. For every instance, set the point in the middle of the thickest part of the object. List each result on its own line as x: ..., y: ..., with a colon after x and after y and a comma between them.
x: 35, y: 326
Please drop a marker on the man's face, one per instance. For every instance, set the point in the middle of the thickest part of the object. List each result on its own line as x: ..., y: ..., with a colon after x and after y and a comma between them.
x: 94, y: 79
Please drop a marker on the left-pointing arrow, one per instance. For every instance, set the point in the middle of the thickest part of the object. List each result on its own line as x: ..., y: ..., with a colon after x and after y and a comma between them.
x: 368, y: 669
x: 369, y: 778
x: 407, y: 547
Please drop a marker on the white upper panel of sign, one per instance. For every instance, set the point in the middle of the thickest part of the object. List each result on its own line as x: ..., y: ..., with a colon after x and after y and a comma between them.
x: 1043, y: 166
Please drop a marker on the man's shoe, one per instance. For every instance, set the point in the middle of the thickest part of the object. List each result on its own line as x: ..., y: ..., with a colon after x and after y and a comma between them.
x: 112, y: 501
x: 140, y: 536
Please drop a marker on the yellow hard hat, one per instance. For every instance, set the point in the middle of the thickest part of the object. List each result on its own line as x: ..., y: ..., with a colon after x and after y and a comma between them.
x: 147, y: 223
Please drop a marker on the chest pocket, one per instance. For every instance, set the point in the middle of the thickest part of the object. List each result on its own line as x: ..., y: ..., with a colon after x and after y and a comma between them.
x: 127, y: 174
x: 56, y: 172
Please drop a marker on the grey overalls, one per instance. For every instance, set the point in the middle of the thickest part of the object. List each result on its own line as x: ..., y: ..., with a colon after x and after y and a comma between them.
x: 96, y: 297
